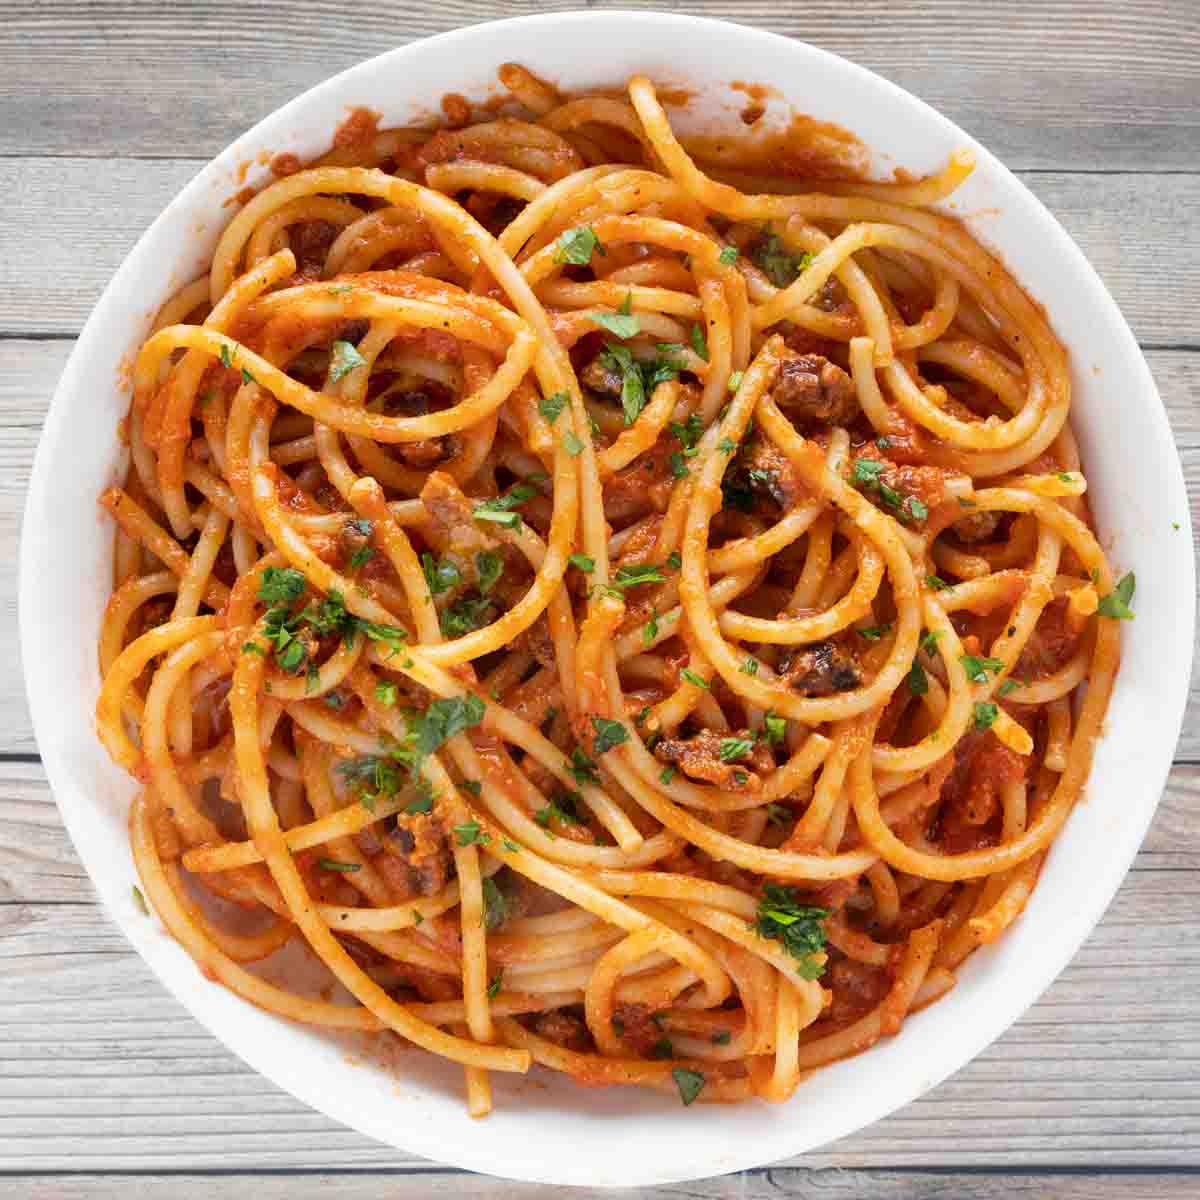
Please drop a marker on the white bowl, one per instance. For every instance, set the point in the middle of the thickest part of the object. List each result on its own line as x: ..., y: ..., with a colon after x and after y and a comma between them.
x: 545, y: 1128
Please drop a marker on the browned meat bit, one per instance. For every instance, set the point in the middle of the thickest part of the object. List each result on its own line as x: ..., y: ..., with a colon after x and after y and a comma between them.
x: 428, y: 452
x: 418, y: 403
x: 895, y: 488
x: 1051, y: 645
x: 820, y: 669
x: 635, y: 1023
x: 769, y: 472
x: 310, y: 242
x: 536, y: 640
x: 642, y: 487
x: 728, y: 760
x: 564, y: 1029
x: 970, y: 796
x: 603, y: 376
x: 976, y: 526
x: 451, y: 512
x: 816, y: 389
x: 857, y: 988
x: 416, y: 858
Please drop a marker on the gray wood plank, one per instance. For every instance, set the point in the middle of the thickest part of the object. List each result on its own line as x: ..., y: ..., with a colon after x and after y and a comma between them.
x: 29, y: 370
x: 1042, y: 82
x: 101, y: 1069
x: 76, y: 218
x: 797, y: 1183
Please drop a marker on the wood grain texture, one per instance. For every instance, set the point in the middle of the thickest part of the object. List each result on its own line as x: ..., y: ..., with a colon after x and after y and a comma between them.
x: 776, y: 1183
x: 99, y: 1064
x: 76, y: 219
x: 1043, y: 83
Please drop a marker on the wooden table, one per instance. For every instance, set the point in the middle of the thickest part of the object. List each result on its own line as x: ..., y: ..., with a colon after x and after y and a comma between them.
x: 107, y: 1087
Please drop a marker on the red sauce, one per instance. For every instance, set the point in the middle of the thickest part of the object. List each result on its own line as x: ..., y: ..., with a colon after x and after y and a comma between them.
x: 360, y: 125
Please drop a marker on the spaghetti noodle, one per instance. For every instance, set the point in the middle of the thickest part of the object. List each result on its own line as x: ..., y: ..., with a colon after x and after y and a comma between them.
x: 619, y: 609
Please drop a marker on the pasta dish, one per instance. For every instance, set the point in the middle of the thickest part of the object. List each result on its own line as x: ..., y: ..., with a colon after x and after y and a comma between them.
x: 614, y: 602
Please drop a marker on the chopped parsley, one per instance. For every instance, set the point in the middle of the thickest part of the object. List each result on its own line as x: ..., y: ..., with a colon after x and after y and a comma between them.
x: 977, y: 668
x: 694, y: 679
x: 422, y: 804
x: 471, y: 833
x: 735, y: 380
x: 699, y: 342
x: 636, y: 575
x: 495, y: 909
x: 490, y: 568
x: 551, y: 406
x: 332, y: 864
x: 386, y: 693
x: 577, y: 246
x: 465, y: 616
x: 493, y: 988
x: 440, y: 574
x: 608, y: 734
x: 985, y: 714
x: 666, y: 775
x: 918, y: 681
x: 779, y: 265
x: 1116, y: 603
x: 501, y: 510
x: 778, y: 814
x: 936, y: 583
x: 650, y: 629
x: 728, y: 256
x: 783, y: 918
x: 571, y: 444
x: 690, y: 1083
x: 582, y: 768
x: 874, y: 632
x: 344, y: 359
x: 1009, y: 685
x: 688, y: 434
x: 776, y: 728
x: 638, y: 378
x: 749, y: 667
x: 731, y: 749
x: 278, y: 587
x: 561, y: 808
x: 623, y: 323
x: 582, y: 562
x: 444, y: 719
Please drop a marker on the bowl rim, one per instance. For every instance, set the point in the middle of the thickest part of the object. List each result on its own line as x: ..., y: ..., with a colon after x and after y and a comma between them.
x: 1075, y: 928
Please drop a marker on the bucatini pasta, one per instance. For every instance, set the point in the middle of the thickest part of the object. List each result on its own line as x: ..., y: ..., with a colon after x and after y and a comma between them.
x: 623, y: 607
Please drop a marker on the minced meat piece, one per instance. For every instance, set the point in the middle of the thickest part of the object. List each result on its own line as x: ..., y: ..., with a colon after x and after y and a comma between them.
x: 699, y: 757
x: 819, y: 669
x: 416, y: 855
x: 635, y: 1024
x: 770, y: 472
x: 564, y: 1029
x: 603, y: 375
x: 976, y: 526
x: 815, y: 389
